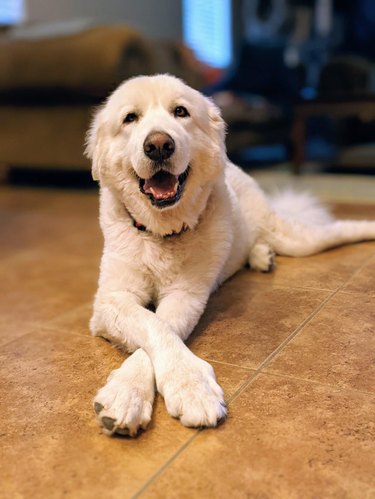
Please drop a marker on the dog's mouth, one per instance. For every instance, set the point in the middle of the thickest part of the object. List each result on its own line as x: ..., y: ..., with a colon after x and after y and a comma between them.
x: 164, y: 189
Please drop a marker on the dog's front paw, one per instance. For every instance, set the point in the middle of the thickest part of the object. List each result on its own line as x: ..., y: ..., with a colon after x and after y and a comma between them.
x: 192, y: 394
x: 262, y: 258
x: 124, y: 406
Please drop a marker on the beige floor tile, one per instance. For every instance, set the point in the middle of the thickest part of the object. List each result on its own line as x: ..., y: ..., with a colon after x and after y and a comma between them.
x: 75, y: 321
x: 328, y: 270
x: 354, y: 211
x: 51, y: 444
x: 253, y: 336
x: 336, y: 347
x: 36, y: 287
x: 246, y: 321
x: 363, y: 281
x: 54, y: 226
x: 284, y: 439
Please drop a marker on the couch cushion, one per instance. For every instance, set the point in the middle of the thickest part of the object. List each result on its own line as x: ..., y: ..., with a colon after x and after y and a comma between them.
x: 89, y: 62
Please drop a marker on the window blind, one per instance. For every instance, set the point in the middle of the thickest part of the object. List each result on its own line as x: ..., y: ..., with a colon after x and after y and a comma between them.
x: 11, y: 11
x: 207, y: 30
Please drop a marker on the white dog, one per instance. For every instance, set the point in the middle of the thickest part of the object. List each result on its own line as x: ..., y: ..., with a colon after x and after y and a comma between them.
x: 178, y: 219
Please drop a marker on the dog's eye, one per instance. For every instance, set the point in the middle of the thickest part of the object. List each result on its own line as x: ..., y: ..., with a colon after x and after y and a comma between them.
x: 181, y: 112
x: 130, y: 117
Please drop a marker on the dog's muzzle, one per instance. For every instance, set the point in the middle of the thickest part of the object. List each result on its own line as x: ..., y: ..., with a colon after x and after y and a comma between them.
x: 164, y: 189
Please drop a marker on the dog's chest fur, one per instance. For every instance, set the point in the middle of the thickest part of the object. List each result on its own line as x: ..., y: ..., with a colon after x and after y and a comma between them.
x: 162, y: 259
x: 157, y: 263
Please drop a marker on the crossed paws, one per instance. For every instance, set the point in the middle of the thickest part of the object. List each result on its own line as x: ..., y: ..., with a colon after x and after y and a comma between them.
x: 188, y: 385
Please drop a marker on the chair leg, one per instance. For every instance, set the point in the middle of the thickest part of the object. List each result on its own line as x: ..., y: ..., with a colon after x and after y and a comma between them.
x: 298, y: 137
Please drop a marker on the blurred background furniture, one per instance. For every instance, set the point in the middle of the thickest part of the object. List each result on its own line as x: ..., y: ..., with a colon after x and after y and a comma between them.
x: 50, y: 86
x: 361, y: 107
x: 267, y: 64
x: 312, y: 66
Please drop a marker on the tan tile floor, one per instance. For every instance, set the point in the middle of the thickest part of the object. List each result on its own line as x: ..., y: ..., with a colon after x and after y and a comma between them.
x: 294, y: 352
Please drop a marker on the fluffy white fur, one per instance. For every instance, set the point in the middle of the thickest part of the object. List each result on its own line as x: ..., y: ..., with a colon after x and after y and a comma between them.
x: 222, y: 221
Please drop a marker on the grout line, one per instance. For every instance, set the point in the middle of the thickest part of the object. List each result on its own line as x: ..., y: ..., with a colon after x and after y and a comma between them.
x: 344, y: 389
x: 165, y: 465
x: 357, y: 271
x: 254, y: 375
x: 73, y: 310
x: 250, y: 379
x: 282, y: 345
x: 34, y: 327
x: 246, y: 383
x: 37, y: 328
x: 50, y: 325
x: 357, y: 293
x: 227, y: 363
x: 281, y: 285
x: 256, y: 278
x: 174, y: 456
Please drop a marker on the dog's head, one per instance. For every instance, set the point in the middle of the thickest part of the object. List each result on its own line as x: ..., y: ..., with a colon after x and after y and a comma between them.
x: 157, y: 138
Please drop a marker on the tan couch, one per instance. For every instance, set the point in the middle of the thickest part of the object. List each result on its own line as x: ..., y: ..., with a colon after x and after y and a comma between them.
x: 50, y: 86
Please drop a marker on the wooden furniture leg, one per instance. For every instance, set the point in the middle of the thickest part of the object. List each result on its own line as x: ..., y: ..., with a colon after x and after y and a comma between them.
x: 298, y: 136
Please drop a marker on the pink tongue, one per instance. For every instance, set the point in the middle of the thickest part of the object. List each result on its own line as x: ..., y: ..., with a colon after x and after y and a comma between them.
x: 163, y: 185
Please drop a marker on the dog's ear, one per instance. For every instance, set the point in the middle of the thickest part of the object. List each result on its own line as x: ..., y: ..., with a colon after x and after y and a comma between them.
x: 217, y: 123
x: 93, y: 140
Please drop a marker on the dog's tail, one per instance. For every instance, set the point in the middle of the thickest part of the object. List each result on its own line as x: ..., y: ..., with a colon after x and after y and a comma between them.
x: 301, y: 226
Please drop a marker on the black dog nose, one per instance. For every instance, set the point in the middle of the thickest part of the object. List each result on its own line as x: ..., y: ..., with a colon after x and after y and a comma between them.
x: 159, y: 146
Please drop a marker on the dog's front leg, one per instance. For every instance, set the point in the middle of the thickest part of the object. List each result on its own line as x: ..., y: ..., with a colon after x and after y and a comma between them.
x: 186, y: 382
x: 124, y: 404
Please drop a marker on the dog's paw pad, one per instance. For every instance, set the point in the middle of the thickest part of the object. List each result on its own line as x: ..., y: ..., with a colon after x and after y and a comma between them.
x: 98, y: 407
x: 122, y: 409
x: 108, y: 423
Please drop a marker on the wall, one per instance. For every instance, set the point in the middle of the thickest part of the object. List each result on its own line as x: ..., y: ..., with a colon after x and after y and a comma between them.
x: 155, y: 18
